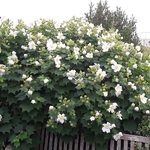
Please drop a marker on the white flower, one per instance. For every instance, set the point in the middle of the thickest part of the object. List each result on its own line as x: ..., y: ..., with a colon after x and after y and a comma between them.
x: 112, y: 107
x: 29, y: 79
x: 32, y: 45
x: 24, y: 47
x: 76, y: 50
x: 38, y: 42
x: 50, y: 45
x: 105, y: 46
x: 60, y: 36
x: 116, y: 67
x: 97, y: 113
x: 51, y: 107
x: 38, y: 22
x: 147, y: 112
x: 92, y: 118
x: 30, y: 92
x: 57, y: 61
x: 132, y: 85
x: 11, y: 62
x: 127, y: 53
x: 13, y: 33
x: 71, y: 74
x: 113, y: 61
x: 46, y: 80
x: 118, y: 136
x: 89, y: 55
x: 105, y: 94
x: 116, y: 56
x: 119, y: 115
x: 118, y: 89
x: 37, y: 63
x: 24, y: 76
x: 129, y: 72
x: 135, y: 66
x: 107, y: 127
x: 33, y: 101
x: 132, y: 104
x: 29, y: 36
x: 1, y: 117
x: 136, y: 108
x: 84, y: 52
x: 101, y: 74
x: 40, y: 35
x: 89, y: 32
x: 61, y: 118
x: 25, y: 55
x: 143, y: 98
x: 116, y: 79
x: 81, y: 41
x: 138, y: 48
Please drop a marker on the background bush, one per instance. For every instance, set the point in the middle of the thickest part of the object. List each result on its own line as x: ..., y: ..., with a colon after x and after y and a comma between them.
x: 72, y: 78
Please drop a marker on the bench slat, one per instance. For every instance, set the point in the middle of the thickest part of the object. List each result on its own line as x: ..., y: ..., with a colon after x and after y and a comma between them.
x: 51, y: 141
x: 81, y: 142
x: 125, y: 144
x: 119, y: 145
x: 132, y: 145
x: 60, y: 144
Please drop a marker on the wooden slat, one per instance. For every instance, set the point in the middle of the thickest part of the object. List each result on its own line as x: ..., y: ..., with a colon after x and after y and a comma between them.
x: 55, y: 143
x: 70, y: 145
x: 112, y: 146
x: 42, y: 139
x: 76, y: 143
x: 65, y: 146
x: 93, y: 146
x: 81, y: 142
x: 60, y: 144
x: 119, y: 145
x: 132, y: 145
x: 51, y: 141
x: 46, y: 140
x: 125, y: 144
x: 147, y: 146
x: 87, y: 146
x: 139, y: 144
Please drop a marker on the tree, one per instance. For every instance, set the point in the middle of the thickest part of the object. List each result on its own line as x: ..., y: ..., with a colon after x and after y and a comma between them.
x: 117, y: 19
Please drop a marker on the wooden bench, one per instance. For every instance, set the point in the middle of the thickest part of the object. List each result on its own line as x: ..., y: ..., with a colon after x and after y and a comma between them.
x: 127, y: 142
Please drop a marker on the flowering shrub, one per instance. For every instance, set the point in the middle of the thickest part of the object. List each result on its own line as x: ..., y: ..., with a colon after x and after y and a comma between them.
x: 71, y: 78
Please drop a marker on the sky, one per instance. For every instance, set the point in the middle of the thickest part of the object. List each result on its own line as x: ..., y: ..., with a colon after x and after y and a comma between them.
x: 59, y: 10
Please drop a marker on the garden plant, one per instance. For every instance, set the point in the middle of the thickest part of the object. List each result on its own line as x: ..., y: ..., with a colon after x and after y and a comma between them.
x: 70, y: 78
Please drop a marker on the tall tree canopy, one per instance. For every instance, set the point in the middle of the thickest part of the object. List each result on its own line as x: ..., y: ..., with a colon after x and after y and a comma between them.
x: 117, y: 19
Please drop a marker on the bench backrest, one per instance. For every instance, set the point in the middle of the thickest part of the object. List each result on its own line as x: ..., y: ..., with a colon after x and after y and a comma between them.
x: 128, y: 142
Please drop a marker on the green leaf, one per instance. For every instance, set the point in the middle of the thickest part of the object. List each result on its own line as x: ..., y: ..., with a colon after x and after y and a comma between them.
x: 129, y: 126
x: 29, y: 141
x: 16, y: 144
x: 6, y: 118
x: 18, y: 128
x: 26, y: 106
x: 6, y: 128
x: 30, y: 129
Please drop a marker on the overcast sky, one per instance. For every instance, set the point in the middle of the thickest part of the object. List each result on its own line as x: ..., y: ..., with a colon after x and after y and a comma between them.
x: 59, y: 10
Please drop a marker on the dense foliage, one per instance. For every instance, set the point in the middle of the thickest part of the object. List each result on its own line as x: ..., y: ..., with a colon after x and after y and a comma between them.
x: 118, y: 19
x: 72, y: 78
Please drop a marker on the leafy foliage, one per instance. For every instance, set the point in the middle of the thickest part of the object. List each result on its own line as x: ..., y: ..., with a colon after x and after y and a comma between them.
x: 71, y: 78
